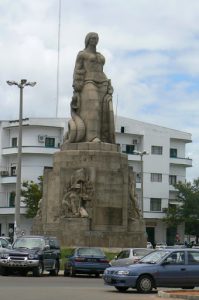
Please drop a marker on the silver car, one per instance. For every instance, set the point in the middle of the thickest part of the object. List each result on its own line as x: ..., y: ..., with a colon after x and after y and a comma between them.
x: 129, y: 256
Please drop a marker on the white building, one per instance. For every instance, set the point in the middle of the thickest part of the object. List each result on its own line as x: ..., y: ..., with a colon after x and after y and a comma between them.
x: 164, y: 165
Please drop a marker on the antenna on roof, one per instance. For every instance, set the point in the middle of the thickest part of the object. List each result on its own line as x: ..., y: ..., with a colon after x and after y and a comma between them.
x: 116, y: 112
x: 58, y: 54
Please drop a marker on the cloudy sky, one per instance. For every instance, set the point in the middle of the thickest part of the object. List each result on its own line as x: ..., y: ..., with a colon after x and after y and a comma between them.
x: 151, y: 49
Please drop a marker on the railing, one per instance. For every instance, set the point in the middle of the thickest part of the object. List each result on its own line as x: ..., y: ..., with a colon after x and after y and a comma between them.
x: 181, y: 160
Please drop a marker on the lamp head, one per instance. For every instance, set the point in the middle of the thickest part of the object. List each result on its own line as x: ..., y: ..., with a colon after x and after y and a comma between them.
x: 23, y: 81
x: 11, y: 82
x: 31, y: 83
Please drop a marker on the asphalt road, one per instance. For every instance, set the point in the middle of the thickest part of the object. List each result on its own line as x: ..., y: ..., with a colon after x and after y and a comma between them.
x: 63, y: 288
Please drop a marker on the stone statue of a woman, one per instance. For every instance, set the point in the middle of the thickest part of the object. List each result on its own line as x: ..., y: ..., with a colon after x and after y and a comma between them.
x: 91, y: 105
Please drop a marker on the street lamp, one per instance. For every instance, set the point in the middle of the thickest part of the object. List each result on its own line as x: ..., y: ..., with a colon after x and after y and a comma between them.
x: 141, y: 154
x: 21, y: 86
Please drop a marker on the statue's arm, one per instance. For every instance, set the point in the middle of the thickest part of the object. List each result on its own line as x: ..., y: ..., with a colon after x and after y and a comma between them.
x: 79, y: 72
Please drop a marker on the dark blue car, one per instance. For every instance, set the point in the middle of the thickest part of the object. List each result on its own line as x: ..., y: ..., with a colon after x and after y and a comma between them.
x: 176, y: 268
x: 86, y: 261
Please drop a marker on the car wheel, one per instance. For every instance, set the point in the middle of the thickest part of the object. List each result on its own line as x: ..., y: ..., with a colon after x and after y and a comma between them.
x: 97, y: 275
x: 145, y: 284
x: 4, y: 271
x: 38, y: 271
x: 72, y: 272
x: 121, y: 289
x: 55, y: 272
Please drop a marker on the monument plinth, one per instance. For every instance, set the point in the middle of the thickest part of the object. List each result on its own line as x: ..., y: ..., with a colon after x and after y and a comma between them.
x: 89, y: 195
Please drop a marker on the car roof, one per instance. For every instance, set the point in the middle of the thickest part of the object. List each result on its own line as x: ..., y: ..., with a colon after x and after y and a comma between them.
x: 88, y: 248
x: 176, y: 249
x: 136, y: 249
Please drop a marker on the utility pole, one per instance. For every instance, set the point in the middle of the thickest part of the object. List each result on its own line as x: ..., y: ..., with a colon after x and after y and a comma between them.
x: 21, y: 86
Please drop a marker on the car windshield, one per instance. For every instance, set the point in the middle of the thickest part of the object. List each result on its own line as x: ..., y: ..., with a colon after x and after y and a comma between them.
x: 29, y: 243
x: 90, y: 251
x: 154, y: 257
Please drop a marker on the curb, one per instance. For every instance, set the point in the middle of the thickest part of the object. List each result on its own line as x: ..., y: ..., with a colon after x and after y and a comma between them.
x: 172, y: 294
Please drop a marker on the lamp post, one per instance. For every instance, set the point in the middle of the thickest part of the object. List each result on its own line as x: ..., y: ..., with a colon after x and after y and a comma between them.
x: 21, y: 86
x: 141, y: 154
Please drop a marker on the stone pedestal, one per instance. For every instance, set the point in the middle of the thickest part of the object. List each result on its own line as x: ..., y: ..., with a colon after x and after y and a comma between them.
x: 97, y: 213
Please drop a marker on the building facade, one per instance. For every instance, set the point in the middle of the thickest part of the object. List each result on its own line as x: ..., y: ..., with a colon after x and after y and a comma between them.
x: 157, y: 155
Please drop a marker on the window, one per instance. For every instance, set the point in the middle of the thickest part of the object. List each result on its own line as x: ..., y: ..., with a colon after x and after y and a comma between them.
x: 123, y: 254
x: 4, y: 243
x: 138, y: 178
x: 156, y: 177
x: 173, y: 152
x: 12, y: 199
x: 155, y: 204
x: 122, y: 129
x: 176, y: 258
x: 13, y: 171
x: 129, y: 149
x: 14, y: 142
x: 193, y: 258
x: 50, y: 142
x: 156, y: 150
x: 172, y: 179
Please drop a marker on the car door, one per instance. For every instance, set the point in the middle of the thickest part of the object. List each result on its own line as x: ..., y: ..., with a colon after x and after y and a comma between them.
x: 193, y: 267
x: 49, y: 254
x: 172, y: 272
x: 122, y: 258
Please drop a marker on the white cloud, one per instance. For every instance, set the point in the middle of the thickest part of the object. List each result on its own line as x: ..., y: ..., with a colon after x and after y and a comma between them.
x: 151, y: 49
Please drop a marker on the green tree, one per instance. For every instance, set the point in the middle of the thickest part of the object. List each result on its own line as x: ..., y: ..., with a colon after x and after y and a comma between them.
x: 174, y: 215
x: 32, y: 193
x: 188, y: 209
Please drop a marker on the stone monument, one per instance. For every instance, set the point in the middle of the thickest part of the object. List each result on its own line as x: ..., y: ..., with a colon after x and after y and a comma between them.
x: 89, y: 195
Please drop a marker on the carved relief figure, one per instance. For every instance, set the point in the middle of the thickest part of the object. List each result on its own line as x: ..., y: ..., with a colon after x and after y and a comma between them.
x: 91, y: 105
x: 39, y: 211
x: 78, y: 195
x: 134, y: 211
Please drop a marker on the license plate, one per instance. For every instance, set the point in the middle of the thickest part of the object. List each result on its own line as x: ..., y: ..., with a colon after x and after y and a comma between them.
x: 91, y: 259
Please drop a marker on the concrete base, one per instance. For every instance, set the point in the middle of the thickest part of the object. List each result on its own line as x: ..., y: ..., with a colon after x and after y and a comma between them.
x: 97, y: 175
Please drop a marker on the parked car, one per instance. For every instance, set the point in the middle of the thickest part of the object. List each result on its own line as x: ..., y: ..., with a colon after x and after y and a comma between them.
x: 129, y: 256
x: 173, y: 268
x: 5, y: 243
x: 31, y: 253
x: 86, y: 261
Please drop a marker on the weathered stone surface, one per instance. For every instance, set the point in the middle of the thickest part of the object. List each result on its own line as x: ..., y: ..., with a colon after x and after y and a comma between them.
x: 107, y: 209
x: 89, y: 195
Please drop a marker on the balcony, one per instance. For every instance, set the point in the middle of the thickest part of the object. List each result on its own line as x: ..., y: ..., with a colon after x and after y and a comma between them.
x: 30, y: 150
x: 187, y: 162
x: 6, y: 210
x: 154, y: 215
x: 8, y: 179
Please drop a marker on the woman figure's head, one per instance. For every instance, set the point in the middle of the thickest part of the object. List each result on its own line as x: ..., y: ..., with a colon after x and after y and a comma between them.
x: 89, y: 36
